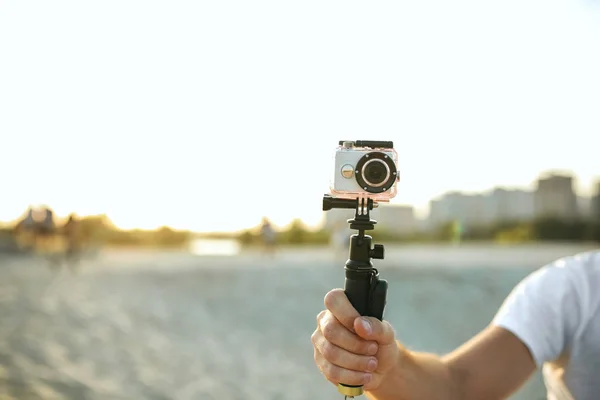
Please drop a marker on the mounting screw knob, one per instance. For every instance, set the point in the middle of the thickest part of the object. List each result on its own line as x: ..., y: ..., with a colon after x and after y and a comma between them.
x: 327, y: 202
x: 377, y: 252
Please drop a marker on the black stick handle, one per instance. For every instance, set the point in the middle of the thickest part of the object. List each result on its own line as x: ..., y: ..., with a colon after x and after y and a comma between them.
x: 358, y: 287
x: 367, y: 293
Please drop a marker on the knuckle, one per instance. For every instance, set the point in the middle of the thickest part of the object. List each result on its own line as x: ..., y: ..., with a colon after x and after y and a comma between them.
x: 314, y: 337
x: 321, y: 315
x: 390, y: 329
x: 331, y: 297
x: 329, y: 331
x: 317, y: 356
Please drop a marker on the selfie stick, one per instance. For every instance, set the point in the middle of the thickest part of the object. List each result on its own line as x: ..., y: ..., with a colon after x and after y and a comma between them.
x: 364, y: 289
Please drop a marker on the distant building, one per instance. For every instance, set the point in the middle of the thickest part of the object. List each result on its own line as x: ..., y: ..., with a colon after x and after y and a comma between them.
x: 509, y: 205
x: 472, y: 211
x: 584, y: 207
x: 555, y: 197
x: 477, y: 210
x: 395, y: 219
x: 595, y: 203
x: 335, y: 217
x: 439, y: 213
x: 467, y: 209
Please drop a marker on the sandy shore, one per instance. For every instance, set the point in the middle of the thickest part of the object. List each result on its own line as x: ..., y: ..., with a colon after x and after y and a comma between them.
x: 170, y: 325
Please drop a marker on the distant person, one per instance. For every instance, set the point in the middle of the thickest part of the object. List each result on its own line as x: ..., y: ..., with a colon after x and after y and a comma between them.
x: 72, y: 234
x: 46, y: 227
x: 550, y: 321
x: 268, y: 236
x: 24, y: 231
x: 39, y: 225
x: 340, y: 238
x: 46, y: 235
x: 26, y: 224
x: 29, y: 220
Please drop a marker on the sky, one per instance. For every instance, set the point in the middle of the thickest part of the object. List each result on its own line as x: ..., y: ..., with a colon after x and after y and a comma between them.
x: 207, y: 115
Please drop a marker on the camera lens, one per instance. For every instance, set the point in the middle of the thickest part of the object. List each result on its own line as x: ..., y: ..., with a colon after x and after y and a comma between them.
x: 375, y: 172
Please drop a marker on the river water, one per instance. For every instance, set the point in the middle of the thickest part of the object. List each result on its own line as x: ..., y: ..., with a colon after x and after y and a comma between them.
x: 173, y: 325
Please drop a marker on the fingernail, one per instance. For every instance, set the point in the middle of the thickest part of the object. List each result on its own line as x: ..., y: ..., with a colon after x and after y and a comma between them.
x: 372, y: 349
x: 372, y: 364
x: 367, y: 378
x: 366, y: 325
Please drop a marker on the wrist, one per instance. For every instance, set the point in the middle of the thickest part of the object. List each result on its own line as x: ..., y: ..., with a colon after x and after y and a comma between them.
x: 403, y: 362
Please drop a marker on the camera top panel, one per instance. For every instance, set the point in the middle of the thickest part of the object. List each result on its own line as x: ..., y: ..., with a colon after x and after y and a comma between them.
x: 374, y: 144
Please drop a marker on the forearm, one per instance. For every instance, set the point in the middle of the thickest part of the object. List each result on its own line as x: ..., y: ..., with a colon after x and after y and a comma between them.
x: 419, y: 376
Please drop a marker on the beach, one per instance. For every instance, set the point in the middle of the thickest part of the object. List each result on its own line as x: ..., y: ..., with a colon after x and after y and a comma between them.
x: 132, y: 324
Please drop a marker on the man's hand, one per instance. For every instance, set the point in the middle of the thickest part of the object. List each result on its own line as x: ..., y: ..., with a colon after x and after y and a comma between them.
x: 355, y: 350
x: 351, y: 349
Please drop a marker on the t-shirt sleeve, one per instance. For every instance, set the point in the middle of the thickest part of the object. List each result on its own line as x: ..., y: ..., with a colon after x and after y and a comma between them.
x: 543, y: 311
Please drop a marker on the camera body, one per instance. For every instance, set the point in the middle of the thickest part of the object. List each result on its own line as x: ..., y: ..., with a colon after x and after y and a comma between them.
x: 365, y: 169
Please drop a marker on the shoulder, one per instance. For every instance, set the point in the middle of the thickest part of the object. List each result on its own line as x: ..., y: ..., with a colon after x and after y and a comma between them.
x: 566, y: 282
x: 587, y: 260
x: 550, y: 306
x: 574, y: 273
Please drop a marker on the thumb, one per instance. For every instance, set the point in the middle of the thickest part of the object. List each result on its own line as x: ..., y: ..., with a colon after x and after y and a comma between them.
x: 370, y: 328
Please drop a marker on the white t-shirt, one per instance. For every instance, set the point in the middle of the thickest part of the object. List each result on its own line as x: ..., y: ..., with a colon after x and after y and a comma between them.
x: 555, y: 311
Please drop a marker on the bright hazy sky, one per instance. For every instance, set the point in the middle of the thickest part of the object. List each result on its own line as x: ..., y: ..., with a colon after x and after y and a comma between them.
x: 208, y: 115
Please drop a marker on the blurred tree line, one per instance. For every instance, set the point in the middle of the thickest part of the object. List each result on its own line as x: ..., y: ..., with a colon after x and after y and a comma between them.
x: 549, y: 229
x: 295, y: 233
x: 98, y: 230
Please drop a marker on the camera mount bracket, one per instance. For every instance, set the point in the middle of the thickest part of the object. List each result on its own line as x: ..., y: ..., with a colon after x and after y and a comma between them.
x: 364, y: 289
x: 370, y: 143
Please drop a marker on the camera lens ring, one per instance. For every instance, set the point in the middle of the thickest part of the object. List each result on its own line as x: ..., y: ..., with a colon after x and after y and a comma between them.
x: 380, y: 162
x: 387, y: 183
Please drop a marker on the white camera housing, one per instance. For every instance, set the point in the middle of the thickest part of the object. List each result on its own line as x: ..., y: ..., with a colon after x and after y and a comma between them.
x: 365, y: 169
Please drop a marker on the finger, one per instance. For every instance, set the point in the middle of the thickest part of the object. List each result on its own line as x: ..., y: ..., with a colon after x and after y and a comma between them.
x: 336, y: 374
x: 373, y: 329
x: 332, y: 330
x: 337, y: 302
x: 320, y: 316
x: 343, y: 358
